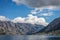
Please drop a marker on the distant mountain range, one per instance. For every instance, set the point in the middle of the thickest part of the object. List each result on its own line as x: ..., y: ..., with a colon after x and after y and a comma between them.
x: 8, y: 27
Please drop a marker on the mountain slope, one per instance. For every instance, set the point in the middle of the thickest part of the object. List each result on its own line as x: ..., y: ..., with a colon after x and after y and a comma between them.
x: 8, y: 27
x: 53, y: 27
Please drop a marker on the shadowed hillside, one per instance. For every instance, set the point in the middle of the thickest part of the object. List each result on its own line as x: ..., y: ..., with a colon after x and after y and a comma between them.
x: 53, y: 28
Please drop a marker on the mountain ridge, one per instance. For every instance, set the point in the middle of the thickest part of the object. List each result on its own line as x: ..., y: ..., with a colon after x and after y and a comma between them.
x: 8, y: 27
x: 52, y: 27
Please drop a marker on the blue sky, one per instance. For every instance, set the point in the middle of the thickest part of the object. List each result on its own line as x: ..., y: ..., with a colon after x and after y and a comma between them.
x: 12, y: 10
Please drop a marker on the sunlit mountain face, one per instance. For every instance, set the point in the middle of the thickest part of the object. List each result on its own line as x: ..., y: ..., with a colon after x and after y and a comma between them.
x: 30, y: 15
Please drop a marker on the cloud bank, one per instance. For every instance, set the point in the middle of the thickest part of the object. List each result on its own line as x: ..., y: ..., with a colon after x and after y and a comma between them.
x: 30, y: 19
x: 3, y: 18
x: 44, y: 11
x: 47, y: 14
x: 38, y: 3
x: 40, y: 6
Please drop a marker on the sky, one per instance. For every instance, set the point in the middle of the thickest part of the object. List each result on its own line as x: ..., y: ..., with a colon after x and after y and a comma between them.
x: 28, y: 11
x: 11, y: 10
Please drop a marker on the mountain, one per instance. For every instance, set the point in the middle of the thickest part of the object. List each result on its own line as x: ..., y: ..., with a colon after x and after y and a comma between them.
x: 53, y: 27
x: 8, y: 27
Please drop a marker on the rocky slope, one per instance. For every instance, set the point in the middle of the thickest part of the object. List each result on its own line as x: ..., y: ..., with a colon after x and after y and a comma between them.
x: 8, y: 27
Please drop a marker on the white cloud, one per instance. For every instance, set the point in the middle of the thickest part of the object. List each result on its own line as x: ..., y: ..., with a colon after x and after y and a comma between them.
x: 30, y: 15
x: 49, y: 7
x: 18, y: 20
x: 47, y: 14
x: 3, y: 18
x: 36, y: 20
x: 34, y: 11
x: 44, y: 11
x: 18, y: 1
x: 42, y: 21
x: 39, y: 3
x: 30, y: 19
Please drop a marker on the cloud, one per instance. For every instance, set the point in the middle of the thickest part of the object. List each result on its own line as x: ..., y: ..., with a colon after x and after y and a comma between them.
x: 44, y: 11
x: 18, y: 1
x: 18, y: 20
x: 34, y: 12
x: 36, y: 20
x: 46, y: 14
x: 30, y: 19
x: 38, y: 3
x: 3, y: 18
